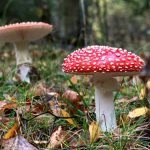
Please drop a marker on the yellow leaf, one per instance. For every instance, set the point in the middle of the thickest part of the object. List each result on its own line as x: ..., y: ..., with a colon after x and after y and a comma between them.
x: 94, y: 130
x: 148, y: 84
x: 138, y: 112
x: 66, y: 114
x: 148, y: 113
x: 11, y: 132
x: 142, y: 94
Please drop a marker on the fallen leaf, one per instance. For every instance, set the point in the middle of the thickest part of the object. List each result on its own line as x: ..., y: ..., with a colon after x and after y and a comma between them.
x: 94, y: 130
x: 17, y: 143
x: 148, y: 84
x: 138, y: 112
x: 127, y: 101
x: 37, y: 108
x: 74, y: 79
x: 54, y: 104
x: 57, y: 138
x: 148, y: 113
x: 66, y: 114
x: 2, y: 105
x: 43, y: 103
x: 71, y: 96
x: 75, y: 101
x: 39, y: 89
x: 4, y: 119
x: 11, y: 132
x: 55, y: 108
x: 143, y: 93
x: 7, y: 105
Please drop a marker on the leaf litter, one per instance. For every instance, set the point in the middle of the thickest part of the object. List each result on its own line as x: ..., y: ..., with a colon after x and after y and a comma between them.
x: 52, y: 101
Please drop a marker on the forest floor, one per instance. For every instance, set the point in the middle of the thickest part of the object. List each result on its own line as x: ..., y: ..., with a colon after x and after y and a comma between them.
x: 58, y: 112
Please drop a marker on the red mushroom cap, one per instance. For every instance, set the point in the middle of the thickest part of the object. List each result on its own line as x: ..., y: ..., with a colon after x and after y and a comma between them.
x: 103, y: 59
x: 25, y: 31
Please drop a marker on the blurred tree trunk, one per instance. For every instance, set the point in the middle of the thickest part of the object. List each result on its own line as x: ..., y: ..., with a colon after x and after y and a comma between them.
x: 97, y: 14
x: 105, y: 24
x: 101, y: 6
x: 65, y: 16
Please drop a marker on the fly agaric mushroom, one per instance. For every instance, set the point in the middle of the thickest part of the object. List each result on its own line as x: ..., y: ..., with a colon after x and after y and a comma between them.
x: 104, y: 63
x: 21, y: 34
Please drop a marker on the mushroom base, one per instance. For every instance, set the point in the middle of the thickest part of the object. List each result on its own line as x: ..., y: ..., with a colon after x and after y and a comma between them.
x: 27, y: 73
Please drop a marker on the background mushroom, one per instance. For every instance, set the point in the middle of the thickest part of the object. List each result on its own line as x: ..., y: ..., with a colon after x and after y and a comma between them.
x: 103, y: 63
x: 20, y: 34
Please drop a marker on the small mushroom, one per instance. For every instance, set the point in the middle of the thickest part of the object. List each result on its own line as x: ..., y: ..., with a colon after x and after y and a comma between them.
x: 20, y: 34
x: 103, y: 63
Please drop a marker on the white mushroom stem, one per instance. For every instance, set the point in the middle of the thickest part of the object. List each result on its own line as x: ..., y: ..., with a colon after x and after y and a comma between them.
x: 22, y: 58
x: 104, y: 102
x: 22, y: 53
x: 23, y: 73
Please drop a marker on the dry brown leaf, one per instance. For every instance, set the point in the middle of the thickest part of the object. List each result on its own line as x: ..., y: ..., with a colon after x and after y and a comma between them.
x: 127, y: 101
x: 4, y: 119
x: 75, y: 99
x: 94, y: 130
x: 7, y: 105
x: 138, y: 112
x: 39, y: 89
x: 71, y: 96
x: 17, y: 143
x: 11, y: 132
x: 66, y: 114
x: 55, y: 109
x: 57, y: 138
x: 10, y: 106
x: 43, y: 104
x: 38, y: 109
x: 55, y: 105
x: 2, y: 105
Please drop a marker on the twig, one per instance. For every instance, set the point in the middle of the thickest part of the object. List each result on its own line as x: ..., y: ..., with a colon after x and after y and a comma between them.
x: 57, y: 117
